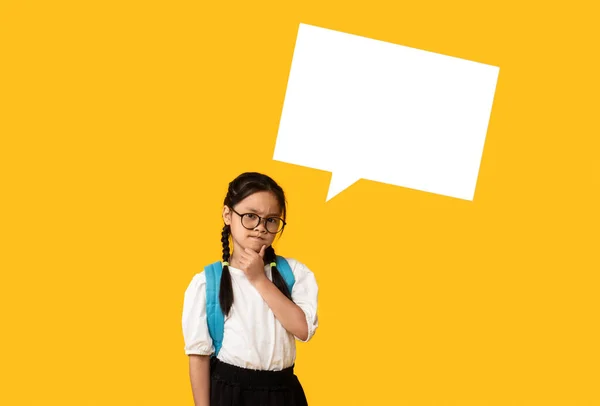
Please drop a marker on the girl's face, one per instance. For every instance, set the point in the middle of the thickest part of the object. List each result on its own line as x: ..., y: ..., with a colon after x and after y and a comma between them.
x: 263, y: 204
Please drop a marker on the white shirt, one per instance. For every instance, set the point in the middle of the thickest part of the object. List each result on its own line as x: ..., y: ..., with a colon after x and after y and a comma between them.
x: 252, y: 337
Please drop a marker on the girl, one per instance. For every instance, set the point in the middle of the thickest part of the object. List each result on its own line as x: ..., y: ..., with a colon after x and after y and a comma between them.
x: 255, y: 362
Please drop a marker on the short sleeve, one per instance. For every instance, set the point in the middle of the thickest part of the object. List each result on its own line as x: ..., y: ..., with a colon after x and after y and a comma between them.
x: 305, y: 295
x: 195, y: 328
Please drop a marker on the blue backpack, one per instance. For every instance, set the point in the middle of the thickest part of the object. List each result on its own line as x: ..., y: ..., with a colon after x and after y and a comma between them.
x: 214, y: 314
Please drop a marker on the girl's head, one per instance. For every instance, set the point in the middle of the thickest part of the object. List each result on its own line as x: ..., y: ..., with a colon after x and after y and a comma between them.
x: 254, y: 212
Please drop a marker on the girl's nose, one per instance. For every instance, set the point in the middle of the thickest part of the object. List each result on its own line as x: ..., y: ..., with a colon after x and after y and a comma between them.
x: 262, y: 225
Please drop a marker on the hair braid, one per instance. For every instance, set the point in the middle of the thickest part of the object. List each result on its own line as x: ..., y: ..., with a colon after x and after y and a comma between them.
x: 226, y: 288
x: 276, y: 276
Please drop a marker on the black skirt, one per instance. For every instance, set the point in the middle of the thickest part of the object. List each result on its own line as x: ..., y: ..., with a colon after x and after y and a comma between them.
x: 234, y: 386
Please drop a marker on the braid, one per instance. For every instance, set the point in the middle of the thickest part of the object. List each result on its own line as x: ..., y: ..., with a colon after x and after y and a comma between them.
x: 226, y: 288
x: 225, y: 241
x: 276, y: 276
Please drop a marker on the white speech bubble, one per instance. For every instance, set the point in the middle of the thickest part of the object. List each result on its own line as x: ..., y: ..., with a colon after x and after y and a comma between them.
x: 367, y: 109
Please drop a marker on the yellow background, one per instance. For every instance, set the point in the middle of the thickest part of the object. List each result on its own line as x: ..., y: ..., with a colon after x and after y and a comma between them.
x: 122, y: 123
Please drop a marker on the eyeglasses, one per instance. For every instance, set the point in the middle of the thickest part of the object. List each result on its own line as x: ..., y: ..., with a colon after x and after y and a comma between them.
x: 250, y: 221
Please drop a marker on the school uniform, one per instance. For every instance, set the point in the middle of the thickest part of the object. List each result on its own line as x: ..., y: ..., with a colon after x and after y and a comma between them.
x: 255, y: 365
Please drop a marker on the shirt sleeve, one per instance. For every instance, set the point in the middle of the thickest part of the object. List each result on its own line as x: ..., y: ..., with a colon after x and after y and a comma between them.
x: 195, y: 328
x: 305, y: 295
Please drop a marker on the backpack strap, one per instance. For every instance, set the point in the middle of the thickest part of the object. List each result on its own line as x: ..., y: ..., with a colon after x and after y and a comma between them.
x: 214, y: 314
x: 286, y: 272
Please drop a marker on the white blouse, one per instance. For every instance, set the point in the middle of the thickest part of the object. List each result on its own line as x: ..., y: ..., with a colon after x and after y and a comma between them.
x: 252, y: 337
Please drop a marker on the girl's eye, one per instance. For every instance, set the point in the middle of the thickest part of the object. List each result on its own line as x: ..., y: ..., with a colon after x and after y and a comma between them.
x: 251, y: 216
x: 271, y: 220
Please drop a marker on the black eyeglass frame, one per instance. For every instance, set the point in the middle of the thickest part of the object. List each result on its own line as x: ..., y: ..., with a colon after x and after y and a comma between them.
x: 260, y: 220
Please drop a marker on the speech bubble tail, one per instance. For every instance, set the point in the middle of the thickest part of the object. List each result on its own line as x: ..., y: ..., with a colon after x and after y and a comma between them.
x: 339, y: 182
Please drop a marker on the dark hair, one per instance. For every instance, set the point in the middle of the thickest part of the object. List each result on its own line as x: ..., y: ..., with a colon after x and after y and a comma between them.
x: 241, y: 187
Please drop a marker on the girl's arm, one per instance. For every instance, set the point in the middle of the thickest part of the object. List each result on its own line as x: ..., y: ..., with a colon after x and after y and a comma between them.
x: 200, y: 379
x: 289, y: 314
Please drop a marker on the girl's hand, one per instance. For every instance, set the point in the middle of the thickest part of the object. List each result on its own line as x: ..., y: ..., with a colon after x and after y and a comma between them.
x: 253, y: 264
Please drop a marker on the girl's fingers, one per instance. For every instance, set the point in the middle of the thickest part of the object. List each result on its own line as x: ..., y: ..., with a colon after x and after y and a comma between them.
x: 245, y: 260
x: 250, y: 252
x: 248, y: 257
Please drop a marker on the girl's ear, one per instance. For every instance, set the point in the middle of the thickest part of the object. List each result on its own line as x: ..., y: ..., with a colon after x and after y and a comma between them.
x: 226, y: 215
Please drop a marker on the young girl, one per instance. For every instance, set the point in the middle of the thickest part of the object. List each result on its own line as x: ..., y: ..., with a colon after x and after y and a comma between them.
x: 255, y: 362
